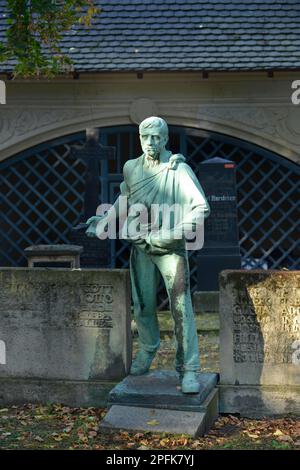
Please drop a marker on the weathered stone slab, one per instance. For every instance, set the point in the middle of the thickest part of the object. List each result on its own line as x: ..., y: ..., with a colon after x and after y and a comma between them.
x: 152, y: 419
x: 161, y: 389
x: 55, y: 250
x: 260, y: 400
x: 259, y: 340
x: 78, y: 393
x: 65, y: 324
x: 62, y: 255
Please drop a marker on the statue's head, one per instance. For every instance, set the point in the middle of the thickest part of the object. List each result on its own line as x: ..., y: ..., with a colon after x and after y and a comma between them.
x: 154, y: 136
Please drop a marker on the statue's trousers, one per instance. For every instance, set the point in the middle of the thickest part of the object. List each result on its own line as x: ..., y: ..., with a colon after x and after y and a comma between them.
x: 145, y: 271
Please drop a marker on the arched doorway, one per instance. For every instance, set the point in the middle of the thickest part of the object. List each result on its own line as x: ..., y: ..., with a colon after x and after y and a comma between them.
x: 42, y: 194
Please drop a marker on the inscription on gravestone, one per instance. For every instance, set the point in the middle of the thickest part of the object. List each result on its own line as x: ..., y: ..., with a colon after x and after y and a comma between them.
x: 94, y: 303
x: 65, y: 324
x: 260, y: 327
x: 261, y: 318
x: 221, y: 229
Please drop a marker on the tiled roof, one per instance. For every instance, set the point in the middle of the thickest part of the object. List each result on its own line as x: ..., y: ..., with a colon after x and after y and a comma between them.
x: 174, y: 35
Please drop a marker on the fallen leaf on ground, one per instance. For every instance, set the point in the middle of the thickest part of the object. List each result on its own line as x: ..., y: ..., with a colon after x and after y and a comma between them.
x: 153, y: 422
x: 164, y: 442
x: 252, y: 435
x: 285, y: 438
x: 182, y: 442
x: 82, y: 437
x: 144, y: 442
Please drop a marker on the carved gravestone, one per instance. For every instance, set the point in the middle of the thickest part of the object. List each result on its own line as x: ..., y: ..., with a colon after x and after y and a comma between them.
x: 260, y: 342
x: 66, y: 334
x: 221, y: 242
x: 95, y: 252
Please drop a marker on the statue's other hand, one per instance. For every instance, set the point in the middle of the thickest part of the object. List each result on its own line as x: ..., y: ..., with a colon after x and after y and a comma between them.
x: 165, y: 239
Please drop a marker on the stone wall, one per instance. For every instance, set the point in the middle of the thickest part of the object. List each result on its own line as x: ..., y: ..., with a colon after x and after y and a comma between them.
x: 64, y: 327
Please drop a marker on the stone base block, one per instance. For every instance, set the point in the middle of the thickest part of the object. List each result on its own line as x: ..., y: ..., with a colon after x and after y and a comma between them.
x: 136, y: 418
x: 151, y: 419
x: 18, y: 391
x: 259, y: 401
x: 154, y: 402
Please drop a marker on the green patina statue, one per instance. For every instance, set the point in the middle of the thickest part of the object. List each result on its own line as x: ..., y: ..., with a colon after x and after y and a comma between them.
x: 158, y: 178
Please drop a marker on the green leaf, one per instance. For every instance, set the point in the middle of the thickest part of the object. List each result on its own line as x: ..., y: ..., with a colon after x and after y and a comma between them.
x: 34, y: 32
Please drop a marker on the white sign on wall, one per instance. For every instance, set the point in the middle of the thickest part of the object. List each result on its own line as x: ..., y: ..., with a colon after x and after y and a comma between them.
x: 2, y: 92
x: 2, y: 352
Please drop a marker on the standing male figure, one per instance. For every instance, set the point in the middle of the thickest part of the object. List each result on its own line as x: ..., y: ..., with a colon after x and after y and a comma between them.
x: 154, y: 179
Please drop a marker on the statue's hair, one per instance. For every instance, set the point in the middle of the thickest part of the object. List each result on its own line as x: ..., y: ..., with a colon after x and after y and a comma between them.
x: 154, y: 121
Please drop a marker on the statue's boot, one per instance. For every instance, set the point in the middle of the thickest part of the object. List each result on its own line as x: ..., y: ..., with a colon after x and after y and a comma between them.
x: 142, y: 362
x: 190, y: 383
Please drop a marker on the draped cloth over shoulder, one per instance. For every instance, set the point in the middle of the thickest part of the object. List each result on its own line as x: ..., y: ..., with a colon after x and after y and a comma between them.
x: 172, y: 183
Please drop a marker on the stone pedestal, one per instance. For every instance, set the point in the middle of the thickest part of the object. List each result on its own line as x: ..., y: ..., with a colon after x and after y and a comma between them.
x: 66, y: 334
x: 156, y: 397
x: 53, y: 256
x: 260, y: 342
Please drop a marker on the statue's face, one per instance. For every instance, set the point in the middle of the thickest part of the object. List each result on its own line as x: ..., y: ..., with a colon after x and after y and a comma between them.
x: 153, y: 141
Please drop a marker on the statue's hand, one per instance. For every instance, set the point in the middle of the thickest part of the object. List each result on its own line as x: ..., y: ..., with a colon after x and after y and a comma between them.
x: 95, y: 218
x: 93, y: 229
x: 90, y: 233
x: 92, y: 222
x: 164, y: 239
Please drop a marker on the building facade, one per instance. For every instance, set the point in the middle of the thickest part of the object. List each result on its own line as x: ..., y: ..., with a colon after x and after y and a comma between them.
x: 219, y: 72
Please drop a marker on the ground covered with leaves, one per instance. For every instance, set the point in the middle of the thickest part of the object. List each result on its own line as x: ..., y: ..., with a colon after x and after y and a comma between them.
x: 59, y: 427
